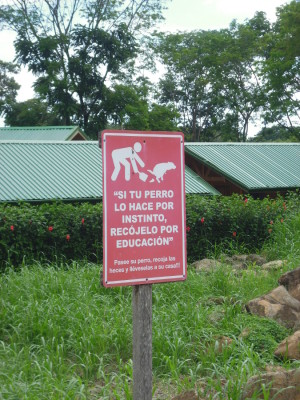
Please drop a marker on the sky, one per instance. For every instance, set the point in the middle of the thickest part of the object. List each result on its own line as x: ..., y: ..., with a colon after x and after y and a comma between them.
x: 183, y: 15
x: 216, y: 14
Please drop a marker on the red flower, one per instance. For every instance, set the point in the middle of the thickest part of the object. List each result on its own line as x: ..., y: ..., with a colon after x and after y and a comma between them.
x: 202, y: 220
x: 234, y: 234
x: 12, y: 228
x: 50, y: 228
x: 281, y: 220
x: 82, y: 221
x: 271, y: 222
x: 188, y: 228
x: 246, y: 201
x: 68, y: 237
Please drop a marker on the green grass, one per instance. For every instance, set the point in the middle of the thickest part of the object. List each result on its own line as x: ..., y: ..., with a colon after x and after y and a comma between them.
x: 63, y: 336
x: 285, y: 239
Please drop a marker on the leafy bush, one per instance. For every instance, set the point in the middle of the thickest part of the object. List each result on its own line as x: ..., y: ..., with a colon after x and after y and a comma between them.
x: 48, y: 231
x: 284, y: 242
x: 231, y: 224
x: 74, y: 231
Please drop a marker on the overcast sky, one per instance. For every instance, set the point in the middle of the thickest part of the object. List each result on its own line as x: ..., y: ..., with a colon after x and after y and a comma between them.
x: 216, y: 14
x: 181, y: 15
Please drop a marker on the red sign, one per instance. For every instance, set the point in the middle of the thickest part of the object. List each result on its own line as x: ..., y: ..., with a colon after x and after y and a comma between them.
x: 143, y: 207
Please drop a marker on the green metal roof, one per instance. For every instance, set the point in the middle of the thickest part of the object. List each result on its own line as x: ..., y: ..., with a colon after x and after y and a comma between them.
x: 252, y: 166
x: 41, y: 171
x: 40, y: 133
x: 195, y: 184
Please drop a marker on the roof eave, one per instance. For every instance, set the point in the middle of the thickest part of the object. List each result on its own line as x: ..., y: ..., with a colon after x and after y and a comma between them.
x: 219, y: 171
x: 49, y: 200
x: 236, y: 181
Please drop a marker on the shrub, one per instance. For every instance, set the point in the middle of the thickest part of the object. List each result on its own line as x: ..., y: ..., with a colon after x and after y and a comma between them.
x: 48, y: 231
x: 231, y: 224
x: 284, y: 242
x: 74, y: 231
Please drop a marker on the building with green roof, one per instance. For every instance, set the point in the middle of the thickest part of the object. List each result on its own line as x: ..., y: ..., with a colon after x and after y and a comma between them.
x: 42, y: 133
x: 66, y: 170
x: 257, y: 168
x: 72, y: 170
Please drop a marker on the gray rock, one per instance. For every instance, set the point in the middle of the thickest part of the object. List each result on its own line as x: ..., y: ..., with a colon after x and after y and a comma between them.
x: 206, y: 265
x: 273, y: 265
x: 289, y: 347
x: 237, y: 265
x: 240, y: 257
x: 245, y: 333
x: 283, y: 385
x: 242, y: 261
x: 278, y: 305
x: 190, y: 395
x: 221, y: 343
x: 291, y: 280
x: 239, y: 261
x: 225, y: 259
x: 256, y: 259
x: 281, y: 295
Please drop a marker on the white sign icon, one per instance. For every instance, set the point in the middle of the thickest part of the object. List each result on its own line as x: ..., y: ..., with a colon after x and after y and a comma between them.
x: 160, y: 169
x: 121, y: 156
x: 127, y: 156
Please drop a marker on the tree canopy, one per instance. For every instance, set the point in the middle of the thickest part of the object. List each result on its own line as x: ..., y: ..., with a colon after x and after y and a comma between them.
x: 8, y: 86
x: 220, y: 81
x: 32, y: 112
x: 282, y: 68
x: 74, y: 47
x: 93, y: 60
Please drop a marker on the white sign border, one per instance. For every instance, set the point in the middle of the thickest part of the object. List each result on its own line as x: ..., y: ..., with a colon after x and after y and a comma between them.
x: 182, y: 181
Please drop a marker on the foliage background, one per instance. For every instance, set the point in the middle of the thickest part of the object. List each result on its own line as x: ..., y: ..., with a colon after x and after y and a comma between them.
x: 95, y: 62
x: 74, y: 231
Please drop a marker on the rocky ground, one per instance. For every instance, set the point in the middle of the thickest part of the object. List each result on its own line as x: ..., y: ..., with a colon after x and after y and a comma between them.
x: 281, y: 304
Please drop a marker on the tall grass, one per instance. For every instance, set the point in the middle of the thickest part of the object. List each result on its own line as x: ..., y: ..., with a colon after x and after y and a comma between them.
x: 285, y: 239
x: 59, y: 329
x: 62, y: 336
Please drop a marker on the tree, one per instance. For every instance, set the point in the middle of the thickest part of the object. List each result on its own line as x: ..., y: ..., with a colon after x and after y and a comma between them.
x: 282, y: 68
x: 214, y: 78
x: 186, y: 84
x: 8, y: 86
x: 236, y: 69
x: 125, y: 109
x: 277, y: 134
x: 76, y: 47
x: 32, y: 112
x: 163, y: 118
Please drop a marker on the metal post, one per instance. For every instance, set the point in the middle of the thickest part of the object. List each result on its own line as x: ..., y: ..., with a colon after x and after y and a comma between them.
x: 142, y: 341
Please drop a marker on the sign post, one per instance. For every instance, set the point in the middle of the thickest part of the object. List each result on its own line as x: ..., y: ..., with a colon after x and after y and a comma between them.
x: 142, y: 341
x: 143, y: 227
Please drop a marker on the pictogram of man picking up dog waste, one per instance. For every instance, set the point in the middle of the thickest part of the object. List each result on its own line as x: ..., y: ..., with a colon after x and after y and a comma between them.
x: 128, y: 157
